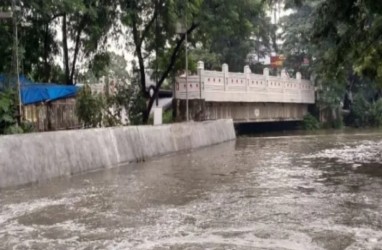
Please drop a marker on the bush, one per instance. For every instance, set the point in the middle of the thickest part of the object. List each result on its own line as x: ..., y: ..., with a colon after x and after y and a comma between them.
x: 167, y: 117
x: 365, y: 114
x: 310, y: 122
x: 337, y: 123
x: 89, y: 107
x: 95, y: 110
x: 8, y: 112
x: 14, y: 129
x: 129, y: 98
x: 375, y: 114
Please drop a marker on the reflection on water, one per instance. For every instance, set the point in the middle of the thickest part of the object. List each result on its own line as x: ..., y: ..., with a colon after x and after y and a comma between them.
x: 292, y: 192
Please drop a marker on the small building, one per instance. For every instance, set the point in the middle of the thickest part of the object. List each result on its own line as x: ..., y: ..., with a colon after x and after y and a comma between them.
x: 47, y: 106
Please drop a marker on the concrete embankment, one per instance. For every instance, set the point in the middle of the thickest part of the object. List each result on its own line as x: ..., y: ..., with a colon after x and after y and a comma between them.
x: 35, y: 157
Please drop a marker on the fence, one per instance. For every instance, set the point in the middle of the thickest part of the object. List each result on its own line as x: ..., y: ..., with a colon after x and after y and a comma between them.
x: 57, y: 115
x: 225, y: 86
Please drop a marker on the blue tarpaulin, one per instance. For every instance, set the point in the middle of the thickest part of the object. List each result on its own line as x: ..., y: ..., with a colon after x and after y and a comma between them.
x: 40, y: 92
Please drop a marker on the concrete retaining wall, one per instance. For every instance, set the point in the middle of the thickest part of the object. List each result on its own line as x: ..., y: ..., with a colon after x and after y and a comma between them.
x: 35, y: 157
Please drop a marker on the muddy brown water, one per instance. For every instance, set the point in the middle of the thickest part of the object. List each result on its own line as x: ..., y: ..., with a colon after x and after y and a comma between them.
x: 321, y: 191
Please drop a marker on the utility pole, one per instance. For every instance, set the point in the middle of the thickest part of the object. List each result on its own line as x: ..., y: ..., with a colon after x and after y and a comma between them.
x: 156, y: 57
x: 186, y: 50
x: 17, y: 57
x: 9, y: 15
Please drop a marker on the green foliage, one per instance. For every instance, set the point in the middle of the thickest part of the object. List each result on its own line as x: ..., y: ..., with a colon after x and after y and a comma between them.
x: 310, y: 122
x: 87, y: 23
x: 341, y: 39
x: 96, y: 110
x: 366, y: 114
x: 167, y: 117
x: 14, y: 129
x: 337, y: 123
x: 99, y: 64
x: 330, y: 93
x: 27, y: 127
x: 8, y: 111
x: 296, y: 35
x: 350, y: 32
x: 129, y: 99
x: 89, y: 107
x: 8, y: 114
x: 135, y: 114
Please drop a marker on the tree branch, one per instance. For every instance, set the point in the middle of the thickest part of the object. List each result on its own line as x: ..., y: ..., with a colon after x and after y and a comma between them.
x: 138, y: 50
x: 175, y: 55
x: 65, y: 49
x: 77, y: 47
x: 169, y: 68
x: 56, y: 16
x: 151, y: 22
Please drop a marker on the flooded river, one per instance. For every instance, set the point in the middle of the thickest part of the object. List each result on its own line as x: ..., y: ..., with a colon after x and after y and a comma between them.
x: 289, y: 192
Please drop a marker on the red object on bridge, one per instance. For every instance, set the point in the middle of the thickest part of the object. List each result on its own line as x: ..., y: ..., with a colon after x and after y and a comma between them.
x: 277, y: 61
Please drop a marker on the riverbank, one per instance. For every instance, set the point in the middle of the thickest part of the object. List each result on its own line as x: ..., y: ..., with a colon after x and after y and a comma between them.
x: 37, y: 157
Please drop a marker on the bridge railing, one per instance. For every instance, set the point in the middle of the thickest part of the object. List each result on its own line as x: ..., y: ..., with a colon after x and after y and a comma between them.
x: 225, y: 86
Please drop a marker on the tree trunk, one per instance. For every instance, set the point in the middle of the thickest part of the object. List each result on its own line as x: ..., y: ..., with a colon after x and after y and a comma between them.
x: 76, y: 50
x: 65, y: 50
x: 46, y: 67
x: 138, y: 50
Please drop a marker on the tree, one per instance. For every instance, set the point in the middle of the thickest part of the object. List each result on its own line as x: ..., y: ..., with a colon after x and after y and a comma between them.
x: 89, y: 107
x: 341, y: 39
x: 296, y: 34
x: 353, y: 30
x: 86, y: 23
x: 220, y: 27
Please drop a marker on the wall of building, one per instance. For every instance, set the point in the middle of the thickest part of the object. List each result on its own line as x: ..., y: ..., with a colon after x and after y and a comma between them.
x: 36, y: 157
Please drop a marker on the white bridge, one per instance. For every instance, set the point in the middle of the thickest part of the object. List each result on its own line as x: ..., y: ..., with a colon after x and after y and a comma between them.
x: 244, y: 97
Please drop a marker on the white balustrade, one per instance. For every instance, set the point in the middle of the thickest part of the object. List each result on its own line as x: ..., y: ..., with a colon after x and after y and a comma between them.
x: 225, y: 86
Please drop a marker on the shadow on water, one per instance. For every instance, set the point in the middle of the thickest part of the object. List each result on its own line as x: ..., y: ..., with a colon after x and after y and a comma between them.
x: 293, y: 128
x: 267, y: 128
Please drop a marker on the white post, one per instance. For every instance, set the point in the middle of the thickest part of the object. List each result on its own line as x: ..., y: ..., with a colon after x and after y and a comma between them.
x: 298, y: 76
x: 158, y: 116
x: 200, y: 74
x: 225, y: 73
x: 266, y: 73
x: 284, y: 74
x: 186, y: 50
x: 186, y: 41
x: 247, y: 72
